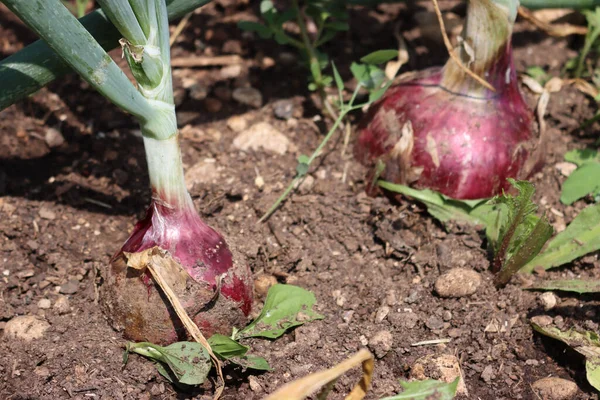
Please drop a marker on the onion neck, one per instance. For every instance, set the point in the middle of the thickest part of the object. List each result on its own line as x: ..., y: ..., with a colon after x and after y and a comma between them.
x: 485, y: 49
x: 166, y: 173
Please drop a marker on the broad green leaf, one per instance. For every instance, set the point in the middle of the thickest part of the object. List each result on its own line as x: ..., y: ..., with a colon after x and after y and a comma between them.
x: 286, y: 306
x: 379, y: 56
x: 281, y: 38
x: 569, y: 285
x: 339, y: 26
x: 253, y: 362
x: 583, y: 181
x: 376, y: 94
x: 584, y: 342
x: 521, y: 234
x: 581, y: 237
x: 583, y: 156
x: 263, y: 31
x: 444, y: 208
x: 225, y: 347
x: 538, y: 73
x: 426, y: 390
x: 367, y: 75
x: 188, y: 361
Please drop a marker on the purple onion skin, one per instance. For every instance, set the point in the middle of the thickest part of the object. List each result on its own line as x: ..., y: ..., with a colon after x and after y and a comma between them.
x: 465, y: 145
x: 137, y: 307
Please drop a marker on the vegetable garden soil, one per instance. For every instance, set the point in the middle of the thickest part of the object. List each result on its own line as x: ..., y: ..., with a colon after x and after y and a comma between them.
x: 371, y: 262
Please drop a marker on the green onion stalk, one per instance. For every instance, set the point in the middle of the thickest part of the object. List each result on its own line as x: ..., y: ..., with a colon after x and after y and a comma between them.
x: 213, y: 285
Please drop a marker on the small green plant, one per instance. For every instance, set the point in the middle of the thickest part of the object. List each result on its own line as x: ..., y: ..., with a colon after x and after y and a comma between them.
x: 319, y: 21
x: 188, y: 363
x: 584, y: 180
x: 370, y: 77
x: 78, y: 7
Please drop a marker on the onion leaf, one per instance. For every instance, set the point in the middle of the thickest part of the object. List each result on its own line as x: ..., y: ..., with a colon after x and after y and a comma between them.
x: 569, y: 285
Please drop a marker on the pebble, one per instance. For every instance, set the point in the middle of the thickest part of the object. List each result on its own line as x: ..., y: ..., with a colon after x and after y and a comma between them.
x: 566, y: 168
x: 548, y: 300
x: 262, y: 136
x: 248, y: 96
x: 53, y: 138
x: 231, y: 71
x: 255, y: 385
x: 26, y: 327
x: 381, y: 343
x: 237, y: 123
x: 62, y: 305
x: 198, y: 91
x: 70, y: 287
x: 263, y: 283
x: 554, y: 388
x: 283, y: 109
x: 434, y: 323
x: 445, y: 367
x: 212, y: 105
x: 542, y: 320
x: 306, y: 184
x: 46, y: 213
x: 488, y: 374
x: 382, y: 313
x: 232, y: 46
x: 44, y: 304
x: 458, y: 282
x: 407, y: 320
x: 203, y: 172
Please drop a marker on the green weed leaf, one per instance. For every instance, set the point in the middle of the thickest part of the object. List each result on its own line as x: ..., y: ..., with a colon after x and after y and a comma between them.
x: 367, y: 75
x: 225, y: 347
x: 262, y: 30
x: 379, y: 57
x: 188, y: 362
x: 581, y: 237
x: 569, y: 285
x: 425, y: 390
x: 583, y: 181
x: 253, y: 362
x: 584, y: 342
x: 582, y: 156
x: 286, y: 306
x: 521, y: 234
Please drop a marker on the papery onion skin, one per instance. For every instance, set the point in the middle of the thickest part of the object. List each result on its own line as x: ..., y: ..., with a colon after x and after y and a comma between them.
x: 466, y: 140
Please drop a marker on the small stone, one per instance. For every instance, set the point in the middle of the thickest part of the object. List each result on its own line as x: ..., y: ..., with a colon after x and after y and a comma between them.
x: 554, y: 388
x: 237, y: 123
x: 458, y: 282
x: 70, y: 287
x: 53, y: 138
x: 231, y: 71
x: 381, y: 343
x: 198, y: 91
x: 262, y: 136
x: 406, y: 320
x: 434, y: 323
x: 263, y: 283
x: 212, y: 105
x: 306, y: 184
x: 248, y: 96
x: 447, y: 316
x: 548, y: 300
x: 44, y: 304
x: 283, y: 109
x: 26, y: 327
x: 232, y: 46
x: 62, y: 305
x: 202, y: 172
x: 46, y: 213
x: 445, y: 367
x: 542, y: 320
x: 454, y: 332
x: 488, y: 374
x: 259, y: 181
x: 42, y: 372
x: 255, y: 385
x: 566, y: 168
x: 412, y: 297
x: 382, y: 313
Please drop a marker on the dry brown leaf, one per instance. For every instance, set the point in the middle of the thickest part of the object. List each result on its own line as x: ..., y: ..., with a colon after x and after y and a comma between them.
x: 556, y: 30
x: 303, y: 387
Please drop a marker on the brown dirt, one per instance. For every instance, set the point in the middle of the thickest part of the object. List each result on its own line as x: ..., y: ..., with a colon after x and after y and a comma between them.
x: 64, y: 211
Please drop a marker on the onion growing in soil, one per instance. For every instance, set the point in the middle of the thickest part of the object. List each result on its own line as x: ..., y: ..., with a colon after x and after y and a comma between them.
x: 440, y: 129
x: 208, y: 279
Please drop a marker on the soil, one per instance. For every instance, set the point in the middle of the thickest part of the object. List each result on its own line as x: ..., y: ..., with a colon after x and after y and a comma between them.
x: 371, y: 262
